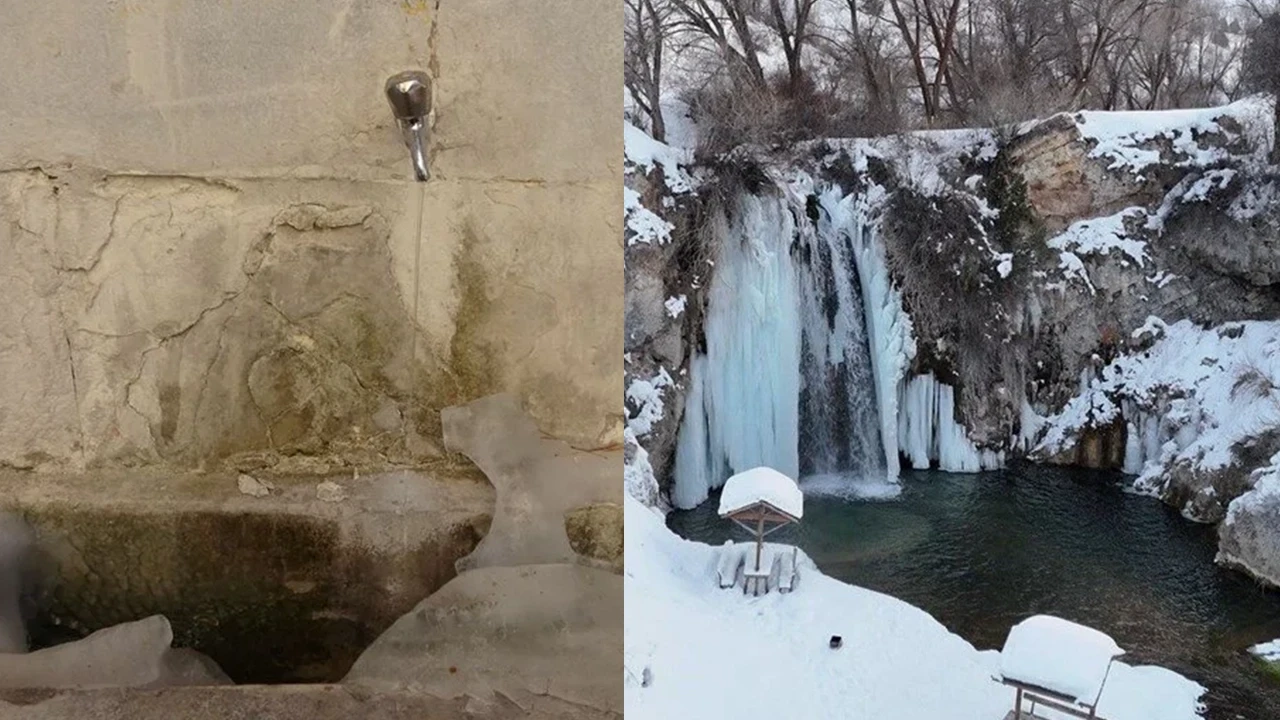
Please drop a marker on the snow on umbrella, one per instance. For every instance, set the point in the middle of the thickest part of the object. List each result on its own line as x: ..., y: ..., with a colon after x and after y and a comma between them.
x: 761, y: 500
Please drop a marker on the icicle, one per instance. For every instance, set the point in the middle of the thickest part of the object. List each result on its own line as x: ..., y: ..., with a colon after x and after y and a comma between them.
x: 693, y: 474
x: 929, y: 433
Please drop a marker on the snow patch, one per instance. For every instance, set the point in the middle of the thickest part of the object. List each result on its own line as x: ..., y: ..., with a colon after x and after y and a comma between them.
x: 675, y: 306
x: 645, y: 225
x: 1100, y: 236
x: 1268, y: 651
x: 646, y: 396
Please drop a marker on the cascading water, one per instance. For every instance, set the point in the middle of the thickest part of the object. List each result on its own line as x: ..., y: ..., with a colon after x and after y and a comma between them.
x: 786, y: 379
x: 840, y: 432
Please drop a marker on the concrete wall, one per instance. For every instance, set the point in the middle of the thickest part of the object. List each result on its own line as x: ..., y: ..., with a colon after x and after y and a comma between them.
x: 209, y: 237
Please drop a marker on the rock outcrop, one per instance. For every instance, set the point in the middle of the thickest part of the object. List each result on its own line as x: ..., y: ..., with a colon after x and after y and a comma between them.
x: 1249, y: 536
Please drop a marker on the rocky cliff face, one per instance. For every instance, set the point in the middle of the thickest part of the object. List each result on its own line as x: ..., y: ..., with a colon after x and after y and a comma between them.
x: 209, y: 261
x: 1066, y: 236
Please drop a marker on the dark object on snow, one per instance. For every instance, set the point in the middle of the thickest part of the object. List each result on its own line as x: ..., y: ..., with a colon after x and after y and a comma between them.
x: 836, y: 642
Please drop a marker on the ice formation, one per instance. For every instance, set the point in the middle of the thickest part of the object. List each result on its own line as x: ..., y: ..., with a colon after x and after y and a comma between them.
x: 537, y: 480
x: 742, y: 410
x: 928, y: 431
x: 808, y: 347
x: 132, y: 654
x: 507, y: 636
x: 786, y: 380
x: 889, y: 335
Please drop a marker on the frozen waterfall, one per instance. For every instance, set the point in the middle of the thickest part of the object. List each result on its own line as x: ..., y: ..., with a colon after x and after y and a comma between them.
x: 807, y: 348
x: 785, y: 380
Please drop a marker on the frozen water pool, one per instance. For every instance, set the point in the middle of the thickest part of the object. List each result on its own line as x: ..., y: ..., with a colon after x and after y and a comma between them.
x: 982, y: 552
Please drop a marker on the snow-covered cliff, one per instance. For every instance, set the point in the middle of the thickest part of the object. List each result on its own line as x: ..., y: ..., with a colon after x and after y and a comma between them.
x: 1095, y: 289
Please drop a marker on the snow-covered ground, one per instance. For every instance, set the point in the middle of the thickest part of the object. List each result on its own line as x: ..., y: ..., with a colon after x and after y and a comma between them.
x: 696, y: 651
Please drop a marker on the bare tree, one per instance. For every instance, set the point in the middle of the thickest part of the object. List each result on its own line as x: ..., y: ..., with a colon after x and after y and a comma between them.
x: 648, y: 23
x: 881, y: 65
x: 929, y: 34
x: 726, y: 23
x: 790, y: 22
x: 1261, y: 60
x: 862, y: 51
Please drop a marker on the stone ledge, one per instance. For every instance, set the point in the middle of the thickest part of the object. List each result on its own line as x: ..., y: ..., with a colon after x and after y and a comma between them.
x: 281, y: 588
x: 278, y: 702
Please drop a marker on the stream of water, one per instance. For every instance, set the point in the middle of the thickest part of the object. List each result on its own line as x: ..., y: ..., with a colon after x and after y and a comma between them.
x: 982, y: 552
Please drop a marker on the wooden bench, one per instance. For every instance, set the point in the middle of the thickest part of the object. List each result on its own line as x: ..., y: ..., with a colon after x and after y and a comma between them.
x: 787, y: 570
x: 730, y: 562
x: 757, y: 582
x: 1047, y: 698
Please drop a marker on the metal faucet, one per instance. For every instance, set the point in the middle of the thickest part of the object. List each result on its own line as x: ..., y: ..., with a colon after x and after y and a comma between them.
x: 409, y: 93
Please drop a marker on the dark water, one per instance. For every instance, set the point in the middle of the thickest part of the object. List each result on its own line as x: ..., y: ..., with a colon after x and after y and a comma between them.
x: 982, y: 552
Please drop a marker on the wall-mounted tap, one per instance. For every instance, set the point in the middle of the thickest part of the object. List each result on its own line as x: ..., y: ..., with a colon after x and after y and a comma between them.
x: 409, y: 93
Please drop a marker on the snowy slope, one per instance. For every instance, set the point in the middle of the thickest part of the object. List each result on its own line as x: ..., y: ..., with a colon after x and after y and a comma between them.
x: 695, y: 651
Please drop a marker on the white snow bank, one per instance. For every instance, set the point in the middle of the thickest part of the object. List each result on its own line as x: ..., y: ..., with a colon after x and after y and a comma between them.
x: 1188, y: 399
x: 693, y: 650
x: 761, y: 484
x: 1059, y: 655
x: 1119, y: 135
x: 644, y: 152
x: 1268, y: 651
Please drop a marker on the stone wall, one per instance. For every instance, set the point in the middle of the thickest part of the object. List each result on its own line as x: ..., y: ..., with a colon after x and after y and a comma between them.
x: 213, y: 251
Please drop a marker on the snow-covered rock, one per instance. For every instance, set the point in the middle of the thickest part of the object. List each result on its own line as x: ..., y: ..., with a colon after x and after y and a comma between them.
x: 1249, y: 537
x: 1200, y: 409
x: 661, y: 297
